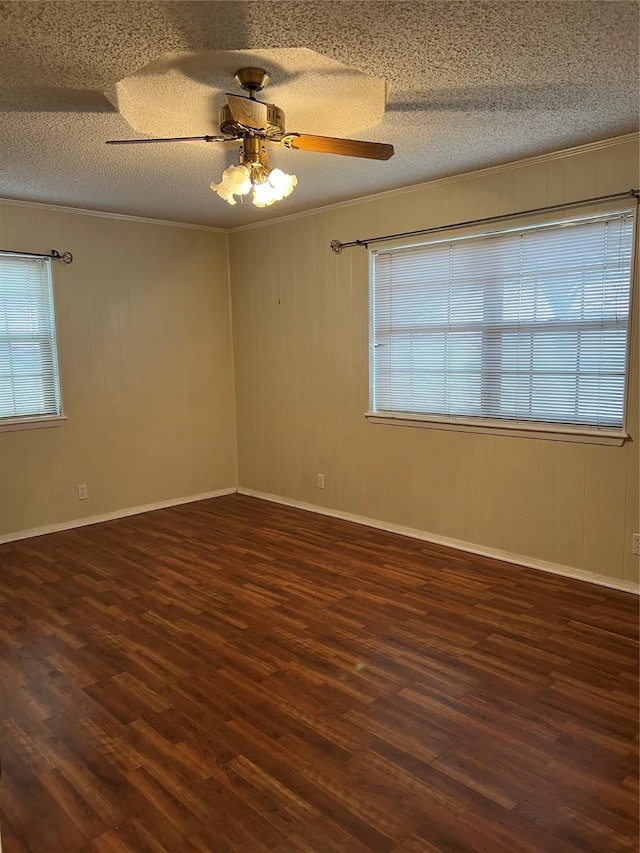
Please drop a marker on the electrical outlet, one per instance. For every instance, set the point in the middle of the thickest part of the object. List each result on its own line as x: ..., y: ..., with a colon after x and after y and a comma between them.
x: 320, y: 480
x: 83, y: 492
x: 635, y: 544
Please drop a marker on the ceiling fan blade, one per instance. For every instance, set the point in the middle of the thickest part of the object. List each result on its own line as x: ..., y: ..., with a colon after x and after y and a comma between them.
x: 171, y: 139
x: 332, y: 145
x: 247, y: 112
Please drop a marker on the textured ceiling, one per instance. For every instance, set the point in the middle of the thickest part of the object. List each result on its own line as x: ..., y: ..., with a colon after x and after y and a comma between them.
x: 469, y: 84
x: 181, y: 93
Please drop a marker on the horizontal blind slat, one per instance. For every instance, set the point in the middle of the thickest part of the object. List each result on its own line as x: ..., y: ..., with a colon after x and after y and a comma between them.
x: 29, y: 382
x: 530, y: 324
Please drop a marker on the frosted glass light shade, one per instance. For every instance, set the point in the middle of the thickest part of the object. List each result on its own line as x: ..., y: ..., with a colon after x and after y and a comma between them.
x: 277, y: 186
x: 282, y: 183
x: 237, y: 181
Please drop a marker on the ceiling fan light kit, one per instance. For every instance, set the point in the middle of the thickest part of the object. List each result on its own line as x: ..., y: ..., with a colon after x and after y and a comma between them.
x: 238, y: 180
x: 254, y: 175
x: 254, y: 124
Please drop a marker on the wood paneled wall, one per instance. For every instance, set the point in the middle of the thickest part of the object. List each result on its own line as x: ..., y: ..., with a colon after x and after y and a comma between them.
x: 301, y: 358
x: 146, y: 370
x: 147, y: 379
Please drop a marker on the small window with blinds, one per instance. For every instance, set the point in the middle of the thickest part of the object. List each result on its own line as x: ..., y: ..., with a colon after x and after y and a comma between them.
x: 29, y: 383
x: 524, y: 327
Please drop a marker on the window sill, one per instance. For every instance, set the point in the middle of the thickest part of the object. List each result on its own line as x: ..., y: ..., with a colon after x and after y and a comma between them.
x: 13, y: 424
x: 550, y: 432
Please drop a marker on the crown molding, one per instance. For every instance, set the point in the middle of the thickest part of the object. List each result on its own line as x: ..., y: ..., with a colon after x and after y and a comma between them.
x: 60, y: 208
x: 448, y: 179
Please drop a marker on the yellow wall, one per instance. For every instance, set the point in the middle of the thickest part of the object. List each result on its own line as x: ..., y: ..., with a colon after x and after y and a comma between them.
x: 301, y: 360
x: 147, y: 379
x: 146, y: 370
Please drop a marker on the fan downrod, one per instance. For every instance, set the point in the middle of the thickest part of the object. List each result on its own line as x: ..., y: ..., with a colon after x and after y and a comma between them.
x: 252, y: 80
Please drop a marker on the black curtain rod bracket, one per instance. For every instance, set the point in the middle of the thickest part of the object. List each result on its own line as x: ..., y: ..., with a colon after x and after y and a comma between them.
x: 337, y: 246
x: 64, y: 257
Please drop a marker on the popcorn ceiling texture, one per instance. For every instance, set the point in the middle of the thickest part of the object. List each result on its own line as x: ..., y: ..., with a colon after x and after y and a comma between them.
x: 469, y: 84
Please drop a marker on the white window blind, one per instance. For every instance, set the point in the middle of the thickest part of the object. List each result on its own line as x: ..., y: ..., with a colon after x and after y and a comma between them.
x: 29, y: 384
x: 528, y: 325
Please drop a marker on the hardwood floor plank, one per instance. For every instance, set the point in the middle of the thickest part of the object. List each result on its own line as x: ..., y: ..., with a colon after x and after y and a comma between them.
x: 239, y: 675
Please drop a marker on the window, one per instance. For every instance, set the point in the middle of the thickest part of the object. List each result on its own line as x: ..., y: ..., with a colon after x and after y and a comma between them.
x: 525, y: 327
x: 29, y: 384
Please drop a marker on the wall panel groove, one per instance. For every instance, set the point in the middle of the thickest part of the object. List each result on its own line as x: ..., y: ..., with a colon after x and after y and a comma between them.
x: 146, y: 370
x: 562, y: 503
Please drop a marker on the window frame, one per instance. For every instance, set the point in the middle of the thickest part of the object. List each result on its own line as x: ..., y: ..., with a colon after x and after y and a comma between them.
x: 38, y: 421
x: 507, y: 427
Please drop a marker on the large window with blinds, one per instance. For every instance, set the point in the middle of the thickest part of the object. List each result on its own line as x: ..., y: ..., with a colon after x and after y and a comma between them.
x: 521, y: 327
x: 29, y: 382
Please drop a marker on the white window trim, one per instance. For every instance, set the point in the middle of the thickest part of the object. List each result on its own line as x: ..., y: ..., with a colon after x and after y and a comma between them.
x: 35, y: 422
x: 554, y: 432
x: 515, y: 429
x: 25, y: 422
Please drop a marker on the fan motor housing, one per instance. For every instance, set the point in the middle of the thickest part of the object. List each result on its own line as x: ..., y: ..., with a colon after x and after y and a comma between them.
x: 275, y: 122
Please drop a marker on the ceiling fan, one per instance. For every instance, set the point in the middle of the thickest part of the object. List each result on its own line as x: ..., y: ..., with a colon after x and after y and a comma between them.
x: 254, y: 124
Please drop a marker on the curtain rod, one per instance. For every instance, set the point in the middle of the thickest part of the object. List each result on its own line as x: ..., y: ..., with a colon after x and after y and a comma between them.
x: 337, y: 246
x: 65, y: 257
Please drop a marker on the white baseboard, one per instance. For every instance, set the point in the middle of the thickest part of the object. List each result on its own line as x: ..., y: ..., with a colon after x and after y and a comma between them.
x: 414, y: 533
x: 110, y: 516
x: 460, y: 545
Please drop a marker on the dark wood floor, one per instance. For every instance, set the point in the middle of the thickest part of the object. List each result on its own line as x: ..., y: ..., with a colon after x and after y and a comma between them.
x: 236, y: 675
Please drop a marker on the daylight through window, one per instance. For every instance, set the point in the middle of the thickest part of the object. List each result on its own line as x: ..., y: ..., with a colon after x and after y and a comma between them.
x: 29, y: 384
x: 528, y: 325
